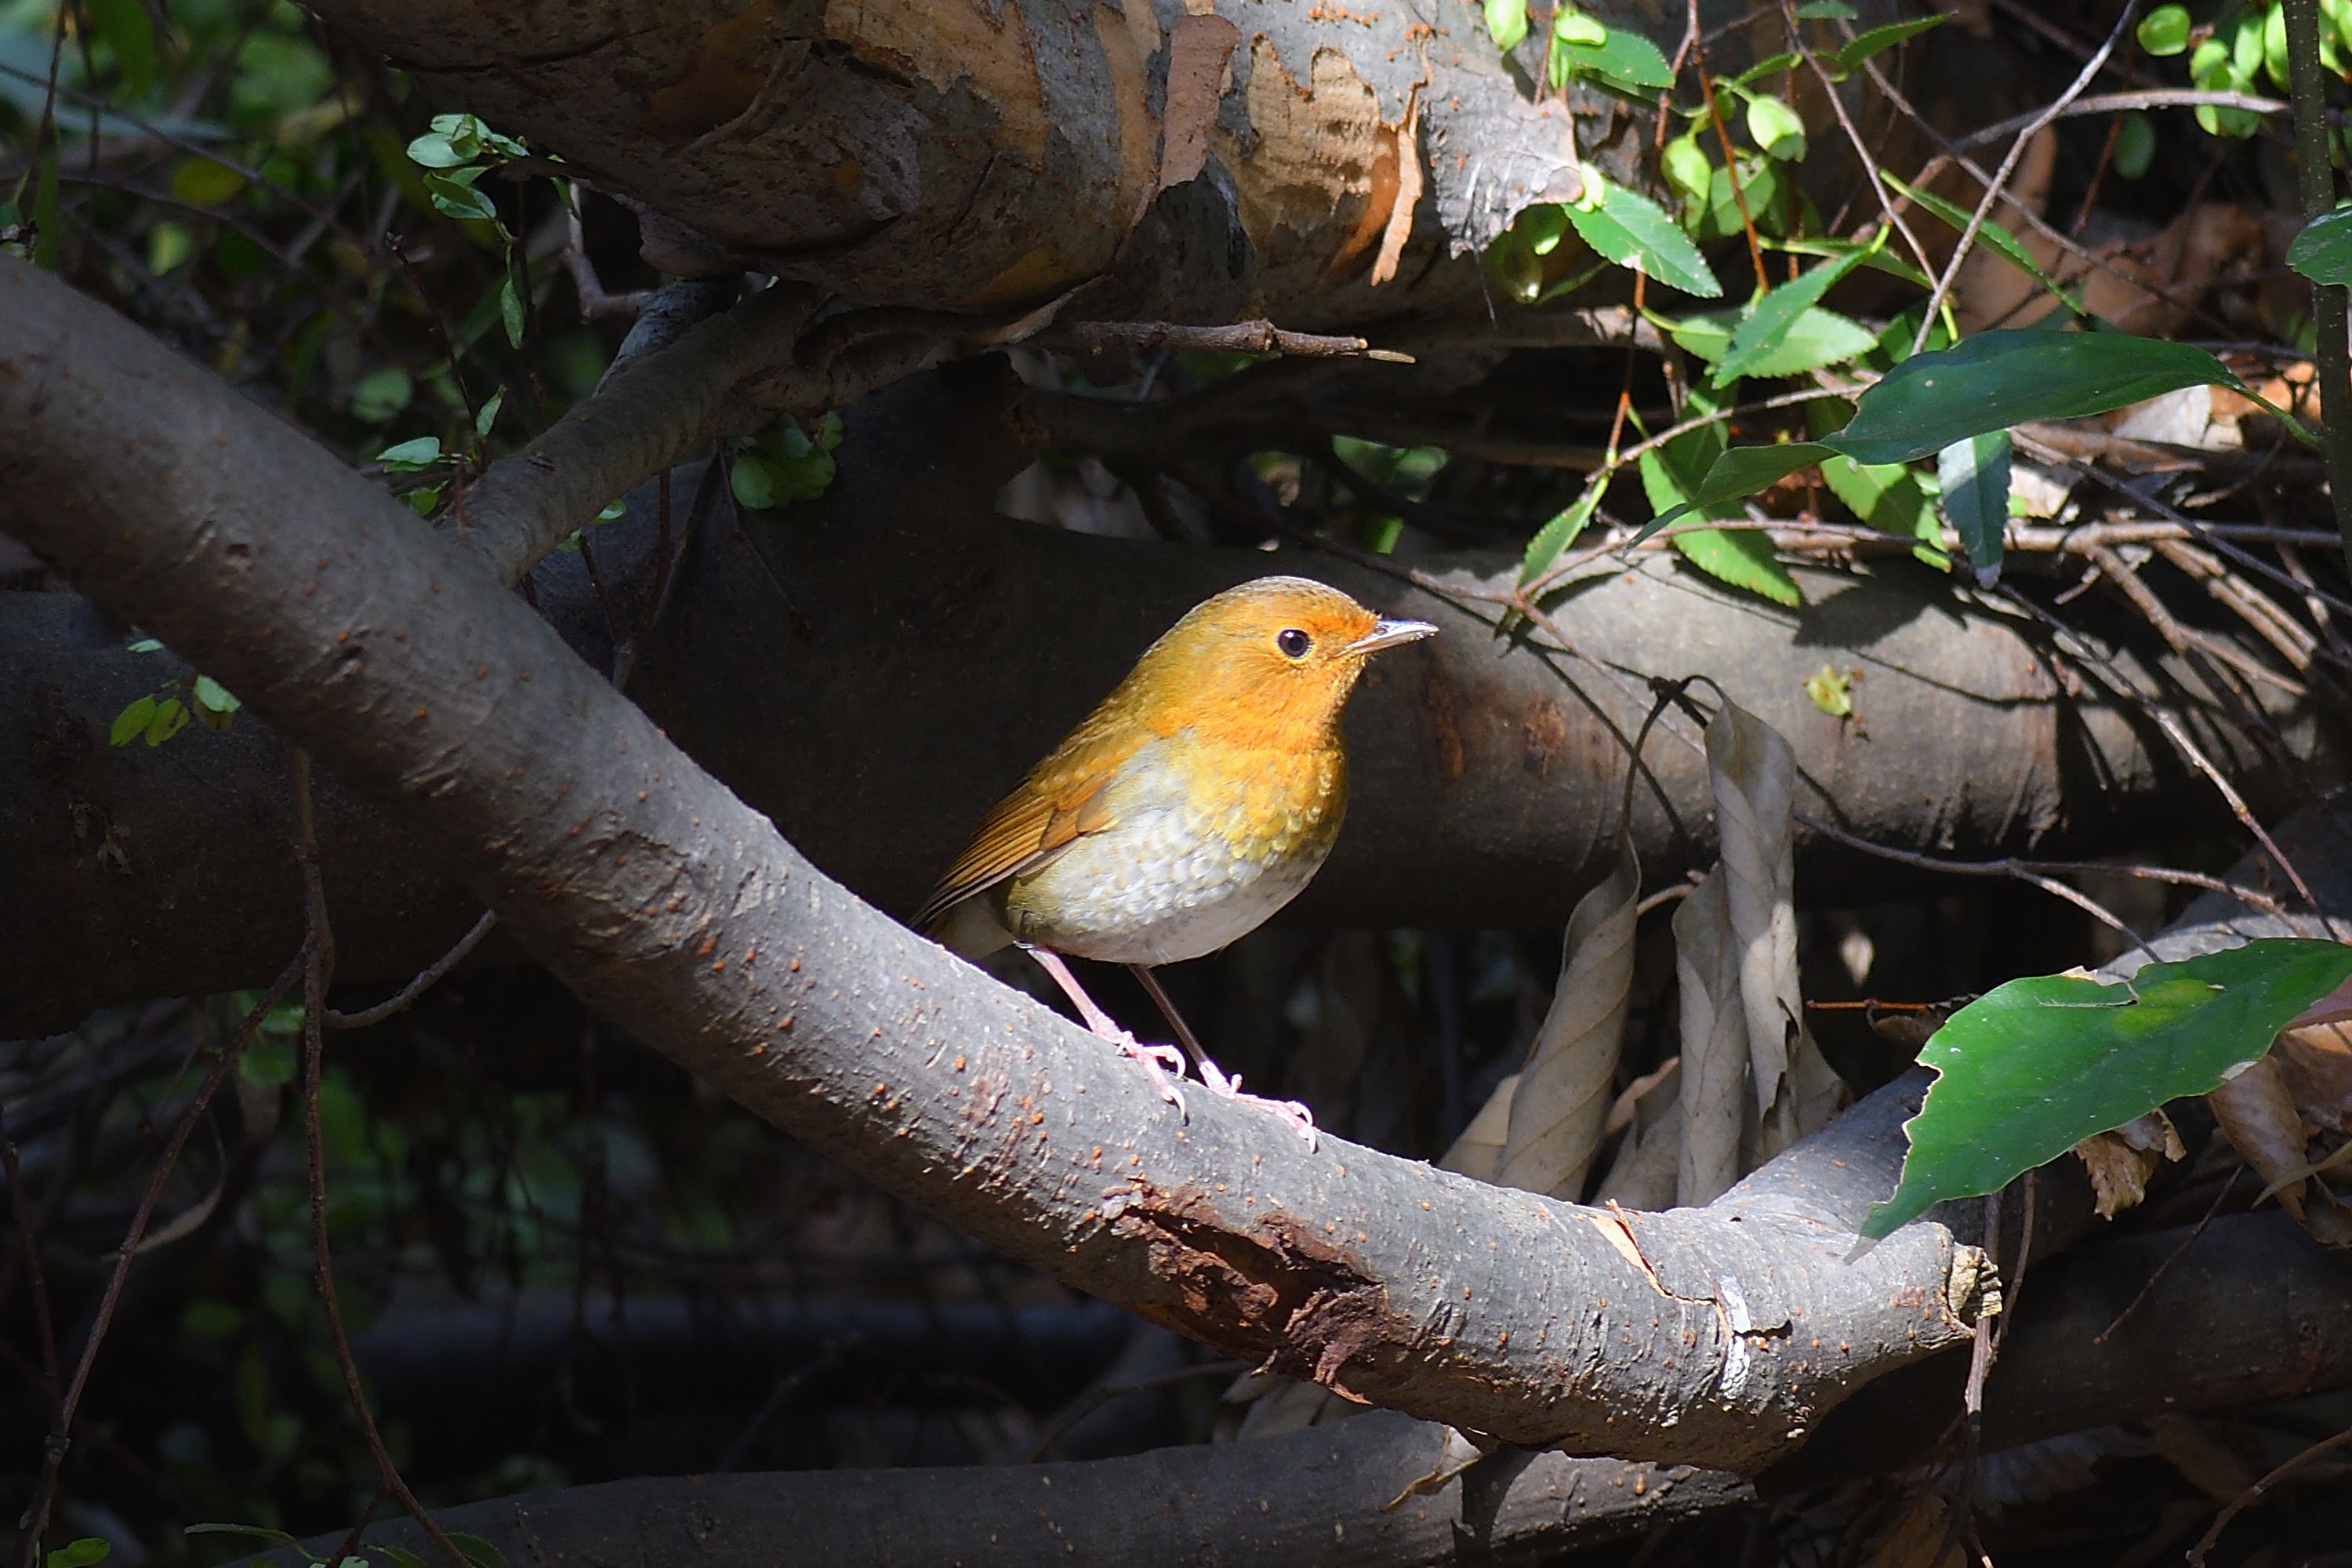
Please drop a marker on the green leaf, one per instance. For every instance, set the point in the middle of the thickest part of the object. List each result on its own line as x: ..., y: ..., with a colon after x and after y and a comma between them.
x: 458, y: 198
x: 2032, y: 1069
x: 1765, y: 327
x: 489, y: 415
x: 81, y: 1553
x: 253, y: 1532
x: 410, y: 457
x: 511, y: 310
x: 2275, y: 47
x: 171, y: 717
x: 2322, y: 251
x: 423, y: 499
x: 1825, y: 11
x: 1561, y: 532
x: 478, y: 1551
x: 1774, y: 127
x: 1686, y: 168
x: 1815, y: 338
x: 201, y: 181
x: 1622, y: 56
x: 2134, y: 146
x: 381, y: 394
x: 130, y: 32
x: 1875, y: 40
x: 1741, y: 472
x: 1974, y: 476
x: 213, y: 700
x: 1507, y: 23
x: 2163, y: 31
x: 132, y: 722
x: 753, y: 483
x: 1742, y: 558
x: 1997, y: 380
x: 1631, y: 229
x: 1543, y: 225
x: 1890, y: 499
x: 399, y: 1556
x: 1987, y: 232
x: 145, y: 645
x: 433, y: 150
x: 1831, y: 692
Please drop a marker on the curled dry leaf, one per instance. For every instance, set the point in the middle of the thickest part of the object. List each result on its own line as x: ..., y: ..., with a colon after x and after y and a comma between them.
x: 2257, y: 1113
x: 2318, y: 1062
x: 2120, y: 1161
x: 1713, y: 1092
x: 1643, y: 1176
x: 1478, y: 1150
x: 1753, y: 774
x: 1564, y: 1091
x: 1922, y: 1537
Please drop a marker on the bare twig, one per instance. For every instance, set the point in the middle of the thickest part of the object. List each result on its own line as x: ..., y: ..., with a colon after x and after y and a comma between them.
x: 426, y: 980
x: 2000, y: 180
x: 595, y: 304
x: 2177, y: 1254
x: 2122, y: 104
x: 2252, y: 1494
x: 1258, y: 337
x: 318, y: 963
x: 2020, y: 871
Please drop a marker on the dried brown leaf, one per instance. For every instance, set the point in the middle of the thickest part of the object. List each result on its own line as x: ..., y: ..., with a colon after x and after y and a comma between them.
x: 1714, y: 1092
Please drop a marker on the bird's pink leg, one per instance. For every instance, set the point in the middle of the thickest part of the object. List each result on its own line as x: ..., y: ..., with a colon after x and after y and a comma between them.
x: 1290, y: 1110
x: 1164, y: 1063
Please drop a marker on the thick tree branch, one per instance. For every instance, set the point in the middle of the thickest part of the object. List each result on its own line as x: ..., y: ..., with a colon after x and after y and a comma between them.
x: 681, y: 914
x: 1489, y: 770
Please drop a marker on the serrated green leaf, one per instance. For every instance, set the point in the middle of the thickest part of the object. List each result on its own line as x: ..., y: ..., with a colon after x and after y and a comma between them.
x: 1742, y: 558
x: 1622, y: 56
x: 2322, y: 251
x: 2032, y: 1069
x: 2163, y: 31
x: 1561, y: 532
x: 1890, y: 499
x: 1994, y: 381
x: 1507, y: 23
x: 132, y: 722
x: 1973, y: 474
x: 1817, y: 337
x: 1741, y: 472
x: 1631, y: 229
x: 1765, y: 327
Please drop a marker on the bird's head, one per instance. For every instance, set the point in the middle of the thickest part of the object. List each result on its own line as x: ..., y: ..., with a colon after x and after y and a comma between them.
x: 1266, y: 662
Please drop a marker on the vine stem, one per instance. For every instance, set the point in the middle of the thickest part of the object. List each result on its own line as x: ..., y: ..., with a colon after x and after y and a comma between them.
x: 2313, y: 168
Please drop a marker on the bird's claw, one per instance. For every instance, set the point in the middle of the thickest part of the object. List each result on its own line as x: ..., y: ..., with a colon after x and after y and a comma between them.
x: 1296, y: 1115
x: 1165, y: 1064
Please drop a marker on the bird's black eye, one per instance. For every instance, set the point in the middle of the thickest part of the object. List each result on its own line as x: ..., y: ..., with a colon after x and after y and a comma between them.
x: 1293, y: 643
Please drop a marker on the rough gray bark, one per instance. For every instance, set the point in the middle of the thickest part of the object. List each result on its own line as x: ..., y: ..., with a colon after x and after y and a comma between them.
x: 967, y: 156
x: 680, y: 913
x: 811, y: 658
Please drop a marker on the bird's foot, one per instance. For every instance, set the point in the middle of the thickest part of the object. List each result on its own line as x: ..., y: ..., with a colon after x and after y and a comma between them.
x: 1299, y: 1119
x: 1163, y: 1064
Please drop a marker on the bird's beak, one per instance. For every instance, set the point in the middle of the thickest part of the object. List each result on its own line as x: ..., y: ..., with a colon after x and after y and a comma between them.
x: 1388, y: 634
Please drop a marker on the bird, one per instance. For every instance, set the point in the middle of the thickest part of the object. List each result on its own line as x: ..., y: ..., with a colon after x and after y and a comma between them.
x: 1200, y: 796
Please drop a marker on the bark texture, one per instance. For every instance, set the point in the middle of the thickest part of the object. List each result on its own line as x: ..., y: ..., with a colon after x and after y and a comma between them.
x: 1179, y: 162
x: 873, y: 669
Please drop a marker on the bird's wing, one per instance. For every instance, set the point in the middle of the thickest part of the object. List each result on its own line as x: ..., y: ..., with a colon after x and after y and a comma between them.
x: 1065, y: 799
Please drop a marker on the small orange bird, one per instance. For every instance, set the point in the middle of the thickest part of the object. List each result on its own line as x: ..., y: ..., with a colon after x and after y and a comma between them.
x: 1198, y: 799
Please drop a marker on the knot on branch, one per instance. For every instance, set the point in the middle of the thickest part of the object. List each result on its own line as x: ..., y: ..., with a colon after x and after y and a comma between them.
x: 1278, y: 1291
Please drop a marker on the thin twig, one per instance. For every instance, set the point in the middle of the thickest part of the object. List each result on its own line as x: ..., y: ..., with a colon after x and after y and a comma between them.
x: 318, y: 963
x: 424, y: 981
x: 2253, y: 1493
x: 2177, y: 1254
x: 2017, y: 870
x: 2000, y: 180
x: 2125, y: 102
x: 1258, y: 337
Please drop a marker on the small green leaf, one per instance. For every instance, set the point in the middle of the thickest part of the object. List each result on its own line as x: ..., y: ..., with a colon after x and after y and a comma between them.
x: 459, y: 199
x: 2134, y: 146
x: 2275, y: 47
x: 1742, y: 558
x: 81, y: 1553
x: 1631, y: 229
x: 254, y: 1532
x: 1543, y: 225
x: 478, y: 1551
x: 1825, y: 11
x: 132, y: 722
x: 1832, y: 692
x: 410, y: 457
x: 1742, y: 471
x: 2032, y: 1069
x: 1556, y: 536
x: 201, y: 181
x: 2322, y: 251
x: 1507, y: 23
x: 1621, y: 56
x: 2163, y: 31
x: 171, y: 717
x: 1987, y: 232
x: 511, y: 310
x: 1767, y: 323
x: 1997, y: 380
x: 614, y: 511
x: 399, y: 1556
x: 1875, y: 40
x: 1890, y: 499
x: 130, y: 32
x: 1815, y: 338
x: 145, y: 645
x: 434, y: 151
x: 489, y: 415
x: 1686, y: 168
x: 1774, y: 127
x: 381, y: 394
x: 753, y: 483
x: 423, y: 499
x: 1974, y: 476
x: 213, y: 698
